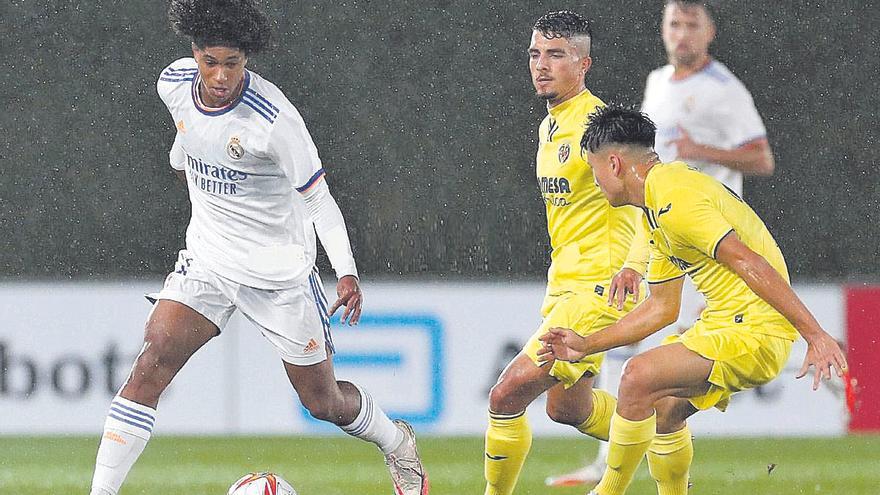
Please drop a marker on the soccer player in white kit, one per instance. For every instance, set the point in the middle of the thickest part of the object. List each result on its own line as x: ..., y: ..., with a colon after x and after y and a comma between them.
x: 705, y: 116
x: 258, y: 195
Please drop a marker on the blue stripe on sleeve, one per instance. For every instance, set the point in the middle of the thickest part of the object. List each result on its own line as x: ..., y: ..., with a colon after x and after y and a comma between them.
x: 263, y: 99
x: 311, y: 181
x: 169, y: 79
x: 268, y: 110
x: 257, y: 109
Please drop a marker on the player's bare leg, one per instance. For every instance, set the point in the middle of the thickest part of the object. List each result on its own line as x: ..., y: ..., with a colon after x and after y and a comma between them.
x: 521, y: 382
x: 656, y: 380
x: 174, y: 332
x: 667, y: 371
x: 591, y: 473
x: 354, y: 411
x: 571, y: 406
x: 326, y: 398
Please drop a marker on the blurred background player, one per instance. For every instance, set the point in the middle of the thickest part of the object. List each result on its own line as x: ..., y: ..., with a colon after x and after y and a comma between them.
x: 591, y: 241
x: 258, y: 195
x: 703, y: 230
x: 706, y: 117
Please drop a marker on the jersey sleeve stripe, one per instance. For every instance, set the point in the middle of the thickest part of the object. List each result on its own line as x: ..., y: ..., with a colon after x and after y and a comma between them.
x: 250, y: 97
x: 718, y: 242
x: 179, y: 73
x: 257, y: 109
x: 176, y: 79
x: 311, y: 182
x: 263, y: 99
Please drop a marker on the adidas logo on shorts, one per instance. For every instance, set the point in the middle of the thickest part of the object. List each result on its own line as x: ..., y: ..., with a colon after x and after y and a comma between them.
x: 311, y: 347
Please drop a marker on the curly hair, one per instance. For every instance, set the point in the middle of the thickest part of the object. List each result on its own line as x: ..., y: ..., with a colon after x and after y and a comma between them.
x: 617, y: 124
x: 232, y: 23
x: 563, y: 24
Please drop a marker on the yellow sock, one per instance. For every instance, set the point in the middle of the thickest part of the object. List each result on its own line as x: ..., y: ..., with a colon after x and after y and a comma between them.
x: 508, y: 440
x: 599, y: 422
x: 669, y: 460
x: 629, y: 440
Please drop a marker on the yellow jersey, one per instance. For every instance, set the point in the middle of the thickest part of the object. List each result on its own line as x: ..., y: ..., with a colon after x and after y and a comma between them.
x: 688, y: 214
x: 591, y: 239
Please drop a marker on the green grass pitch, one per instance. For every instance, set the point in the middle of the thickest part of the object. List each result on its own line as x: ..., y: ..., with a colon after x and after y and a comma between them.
x: 342, y: 466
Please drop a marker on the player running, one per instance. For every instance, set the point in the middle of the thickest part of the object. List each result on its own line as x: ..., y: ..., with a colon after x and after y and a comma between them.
x: 702, y: 229
x: 258, y: 194
x: 591, y: 240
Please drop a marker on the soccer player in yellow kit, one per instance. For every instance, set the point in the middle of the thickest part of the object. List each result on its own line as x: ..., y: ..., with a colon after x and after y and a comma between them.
x: 702, y: 229
x: 591, y: 241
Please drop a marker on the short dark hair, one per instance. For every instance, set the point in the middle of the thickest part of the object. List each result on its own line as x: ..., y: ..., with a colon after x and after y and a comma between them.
x: 616, y: 124
x: 707, y: 5
x: 231, y: 23
x: 563, y: 24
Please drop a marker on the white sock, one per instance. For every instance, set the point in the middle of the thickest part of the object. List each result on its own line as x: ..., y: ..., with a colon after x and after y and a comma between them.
x: 126, y: 432
x: 372, y: 425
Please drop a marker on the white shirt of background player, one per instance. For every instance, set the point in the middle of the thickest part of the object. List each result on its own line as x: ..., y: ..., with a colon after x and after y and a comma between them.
x: 705, y: 116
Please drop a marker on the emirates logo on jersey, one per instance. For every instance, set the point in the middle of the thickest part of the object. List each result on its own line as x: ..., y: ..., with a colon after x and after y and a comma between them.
x: 564, y: 152
x: 234, y: 149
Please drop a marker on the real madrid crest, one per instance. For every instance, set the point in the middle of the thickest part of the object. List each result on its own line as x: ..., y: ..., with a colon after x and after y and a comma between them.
x: 564, y: 152
x: 234, y: 149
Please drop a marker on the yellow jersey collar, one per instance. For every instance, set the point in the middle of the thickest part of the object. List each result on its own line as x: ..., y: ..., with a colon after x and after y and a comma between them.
x: 555, y: 111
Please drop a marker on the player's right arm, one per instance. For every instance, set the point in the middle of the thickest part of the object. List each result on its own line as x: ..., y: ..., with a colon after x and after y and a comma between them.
x: 696, y: 220
x: 659, y: 310
x: 173, y: 86
x: 177, y: 159
x: 822, y: 350
x: 629, y: 278
x: 292, y: 148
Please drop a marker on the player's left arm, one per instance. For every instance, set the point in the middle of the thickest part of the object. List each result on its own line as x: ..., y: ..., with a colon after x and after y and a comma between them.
x: 822, y: 350
x: 330, y: 226
x: 754, y: 157
x: 739, y: 120
x: 291, y: 147
x: 656, y: 312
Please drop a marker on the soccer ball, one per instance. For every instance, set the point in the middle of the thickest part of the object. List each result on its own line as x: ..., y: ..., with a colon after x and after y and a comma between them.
x: 261, y: 484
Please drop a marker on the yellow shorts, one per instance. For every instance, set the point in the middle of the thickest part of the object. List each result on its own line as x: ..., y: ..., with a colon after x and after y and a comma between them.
x: 585, y: 313
x: 743, y: 359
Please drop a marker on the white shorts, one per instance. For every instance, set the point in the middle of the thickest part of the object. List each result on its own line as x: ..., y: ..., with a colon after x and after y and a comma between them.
x: 293, y: 320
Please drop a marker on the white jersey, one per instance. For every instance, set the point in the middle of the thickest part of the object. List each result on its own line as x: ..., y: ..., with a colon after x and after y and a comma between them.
x: 244, y: 163
x: 712, y: 105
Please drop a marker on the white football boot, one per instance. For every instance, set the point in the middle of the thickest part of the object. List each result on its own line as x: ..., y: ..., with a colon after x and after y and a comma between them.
x: 406, y: 469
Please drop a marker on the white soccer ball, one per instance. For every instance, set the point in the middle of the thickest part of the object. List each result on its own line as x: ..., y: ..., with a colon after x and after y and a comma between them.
x: 261, y: 484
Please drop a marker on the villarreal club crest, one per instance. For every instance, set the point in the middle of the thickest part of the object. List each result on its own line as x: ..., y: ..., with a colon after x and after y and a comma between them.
x: 564, y: 152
